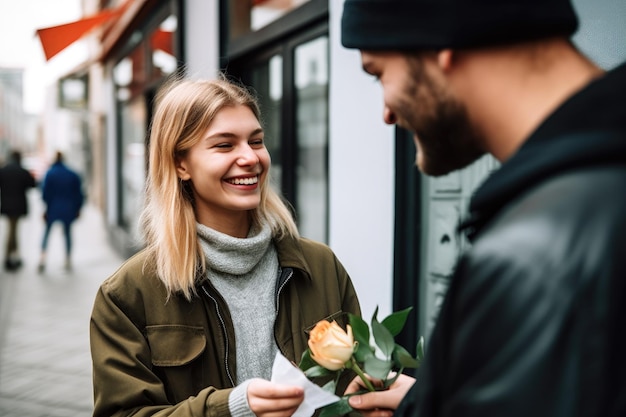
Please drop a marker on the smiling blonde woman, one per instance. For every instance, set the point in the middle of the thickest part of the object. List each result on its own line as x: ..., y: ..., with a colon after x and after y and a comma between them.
x: 191, y: 324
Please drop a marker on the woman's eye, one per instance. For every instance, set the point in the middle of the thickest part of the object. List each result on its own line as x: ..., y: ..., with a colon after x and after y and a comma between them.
x: 256, y: 142
x: 223, y: 145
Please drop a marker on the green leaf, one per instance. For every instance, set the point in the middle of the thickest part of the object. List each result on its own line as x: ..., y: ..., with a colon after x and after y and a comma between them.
x: 316, y: 371
x: 384, y: 339
x: 403, y: 359
x: 360, y: 330
x: 377, y: 368
x: 419, y: 351
x: 374, y: 316
x: 306, y: 361
x: 330, y: 386
x: 389, y: 382
x: 362, y: 352
x: 338, y: 408
x: 395, y: 322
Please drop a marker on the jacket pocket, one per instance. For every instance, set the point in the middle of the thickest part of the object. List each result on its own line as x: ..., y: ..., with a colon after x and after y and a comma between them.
x: 175, y: 345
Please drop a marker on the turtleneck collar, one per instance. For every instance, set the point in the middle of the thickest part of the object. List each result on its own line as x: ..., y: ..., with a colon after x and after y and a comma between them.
x: 233, y: 255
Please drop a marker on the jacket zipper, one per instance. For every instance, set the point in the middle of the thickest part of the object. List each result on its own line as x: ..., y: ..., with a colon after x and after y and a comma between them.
x: 288, y: 273
x: 226, y: 345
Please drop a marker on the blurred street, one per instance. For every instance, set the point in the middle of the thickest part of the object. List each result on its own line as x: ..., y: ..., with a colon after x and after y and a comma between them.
x: 45, y: 363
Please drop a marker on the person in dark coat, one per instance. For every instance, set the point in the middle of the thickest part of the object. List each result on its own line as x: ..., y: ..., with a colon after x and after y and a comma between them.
x: 533, y: 320
x: 15, y: 181
x: 63, y: 195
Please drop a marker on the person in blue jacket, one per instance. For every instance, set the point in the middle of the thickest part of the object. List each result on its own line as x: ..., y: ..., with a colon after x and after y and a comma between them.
x: 63, y: 195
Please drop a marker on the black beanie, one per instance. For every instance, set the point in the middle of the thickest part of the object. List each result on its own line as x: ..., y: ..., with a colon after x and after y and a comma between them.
x: 434, y: 24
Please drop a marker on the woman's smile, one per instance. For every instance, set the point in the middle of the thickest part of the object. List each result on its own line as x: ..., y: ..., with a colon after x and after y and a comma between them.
x: 254, y: 180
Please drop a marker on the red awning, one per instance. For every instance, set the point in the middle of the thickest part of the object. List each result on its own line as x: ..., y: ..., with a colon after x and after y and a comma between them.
x: 54, y: 39
x: 163, y: 40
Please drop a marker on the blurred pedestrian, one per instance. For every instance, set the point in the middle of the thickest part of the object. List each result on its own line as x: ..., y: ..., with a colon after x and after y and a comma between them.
x: 15, y: 181
x: 533, y: 321
x: 63, y: 196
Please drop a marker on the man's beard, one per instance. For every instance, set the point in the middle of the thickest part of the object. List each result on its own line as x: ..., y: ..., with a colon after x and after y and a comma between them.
x: 445, y: 139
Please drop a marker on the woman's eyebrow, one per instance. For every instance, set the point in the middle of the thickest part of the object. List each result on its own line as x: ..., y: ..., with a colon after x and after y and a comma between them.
x: 229, y: 135
x: 221, y: 135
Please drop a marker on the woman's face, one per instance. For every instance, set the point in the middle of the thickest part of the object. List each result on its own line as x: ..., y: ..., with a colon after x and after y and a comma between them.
x: 226, y: 168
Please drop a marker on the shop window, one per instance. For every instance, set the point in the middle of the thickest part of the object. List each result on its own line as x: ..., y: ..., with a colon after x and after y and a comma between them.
x: 286, y: 63
x: 152, y: 55
x: 267, y: 77
x: 311, y: 93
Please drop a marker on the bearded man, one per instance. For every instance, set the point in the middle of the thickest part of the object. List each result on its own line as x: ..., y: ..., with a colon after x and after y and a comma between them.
x: 532, y: 324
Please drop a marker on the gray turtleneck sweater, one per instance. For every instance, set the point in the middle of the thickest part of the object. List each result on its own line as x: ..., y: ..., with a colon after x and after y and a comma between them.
x: 244, y: 272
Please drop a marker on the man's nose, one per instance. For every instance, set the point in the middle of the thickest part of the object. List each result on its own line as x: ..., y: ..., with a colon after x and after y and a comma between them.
x: 389, y: 116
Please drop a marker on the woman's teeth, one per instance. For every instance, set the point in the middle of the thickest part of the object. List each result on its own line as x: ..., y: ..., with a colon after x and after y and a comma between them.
x: 244, y: 181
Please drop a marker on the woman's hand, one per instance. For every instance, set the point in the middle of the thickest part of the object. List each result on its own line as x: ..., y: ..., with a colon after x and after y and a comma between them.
x: 267, y: 399
x: 379, y: 403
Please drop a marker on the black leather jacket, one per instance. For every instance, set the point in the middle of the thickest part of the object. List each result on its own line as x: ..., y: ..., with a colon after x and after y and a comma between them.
x: 534, y: 322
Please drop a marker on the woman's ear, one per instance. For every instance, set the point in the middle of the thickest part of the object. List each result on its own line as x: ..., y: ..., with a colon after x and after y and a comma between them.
x: 444, y: 59
x: 181, y: 170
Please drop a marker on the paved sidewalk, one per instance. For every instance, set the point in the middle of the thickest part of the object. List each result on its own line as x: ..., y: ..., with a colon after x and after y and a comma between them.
x: 45, y: 363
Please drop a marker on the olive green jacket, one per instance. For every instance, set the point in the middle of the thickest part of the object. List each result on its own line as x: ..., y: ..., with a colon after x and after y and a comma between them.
x: 154, y: 356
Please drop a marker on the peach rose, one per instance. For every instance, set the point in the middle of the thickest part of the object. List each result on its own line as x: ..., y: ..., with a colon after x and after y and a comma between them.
x: 331, y: 347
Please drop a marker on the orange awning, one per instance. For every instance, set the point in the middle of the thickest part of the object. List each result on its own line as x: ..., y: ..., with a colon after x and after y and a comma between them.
x: 54, y: 39
x: 163, y: 40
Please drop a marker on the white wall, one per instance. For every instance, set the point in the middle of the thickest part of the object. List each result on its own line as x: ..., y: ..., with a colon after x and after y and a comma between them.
x: 361, y: 165
x: 602, y: 32
x: 201, y: 38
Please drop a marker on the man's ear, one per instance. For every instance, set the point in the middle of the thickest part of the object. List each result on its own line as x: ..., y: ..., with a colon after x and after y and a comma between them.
x: 444, y: 59
x: 181, y: 170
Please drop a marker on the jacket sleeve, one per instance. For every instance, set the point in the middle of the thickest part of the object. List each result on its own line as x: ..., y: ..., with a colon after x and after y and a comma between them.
x: 509, y: 339
x: 124, y: 381
x: 350, y: 304
x: 332, y: 292
x: 350, y: 301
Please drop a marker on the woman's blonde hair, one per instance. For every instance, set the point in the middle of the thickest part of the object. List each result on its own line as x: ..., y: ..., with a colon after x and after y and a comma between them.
x: 184, y: 110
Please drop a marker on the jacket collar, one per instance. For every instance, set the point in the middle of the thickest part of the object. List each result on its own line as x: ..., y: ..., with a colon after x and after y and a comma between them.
x: 290, y: 255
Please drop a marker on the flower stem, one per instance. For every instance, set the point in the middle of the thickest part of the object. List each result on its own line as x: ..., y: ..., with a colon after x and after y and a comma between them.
x: 355, y: 367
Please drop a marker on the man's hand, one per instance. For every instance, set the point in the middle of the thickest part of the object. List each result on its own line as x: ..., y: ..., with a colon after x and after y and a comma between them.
x: 267, y: 399
x: 379, y: 403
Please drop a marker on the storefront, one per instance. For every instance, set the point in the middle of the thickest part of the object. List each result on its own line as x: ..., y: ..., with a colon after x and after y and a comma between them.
x: 349, y: 177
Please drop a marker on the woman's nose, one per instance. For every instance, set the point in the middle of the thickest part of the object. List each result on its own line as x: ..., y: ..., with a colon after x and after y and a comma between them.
x: 389, y: 116
x: 247, y: 156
